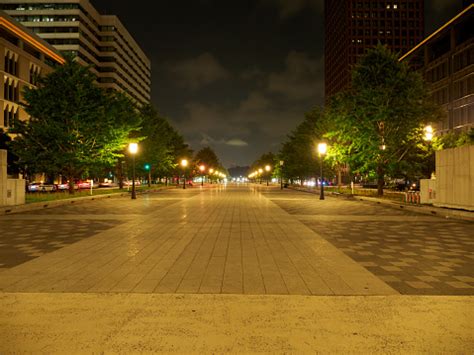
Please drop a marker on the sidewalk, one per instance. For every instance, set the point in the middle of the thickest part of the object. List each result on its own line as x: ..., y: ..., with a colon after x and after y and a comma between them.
x: 228, y: 269
x: 425, y: 209
x: 131, y: 323
x: 218, y: 241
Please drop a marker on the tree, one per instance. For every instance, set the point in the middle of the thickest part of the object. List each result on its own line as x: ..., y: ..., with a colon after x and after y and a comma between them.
x: 158, y: 149
x: 298, y: 152
x: 266, y: 159
x: 208, y: 157
x: 376, y: 125
x: 74, y: 126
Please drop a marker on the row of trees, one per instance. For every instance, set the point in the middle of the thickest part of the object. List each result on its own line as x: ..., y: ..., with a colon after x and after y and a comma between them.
x: 79, y: 130
x: 374, y: 129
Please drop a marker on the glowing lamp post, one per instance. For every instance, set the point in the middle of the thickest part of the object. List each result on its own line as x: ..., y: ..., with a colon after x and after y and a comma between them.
x: 428, y: 133
x: 211, y: 171
x: 260, y: 171
x: 133, y: 149
x: 202, y: 168
x: 322, y: 148
x: 184, y: 164
x: 267, y: 169
x: 281, y: 174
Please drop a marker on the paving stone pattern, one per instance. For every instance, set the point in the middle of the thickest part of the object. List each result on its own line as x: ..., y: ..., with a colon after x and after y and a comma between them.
x: 224, y: 240
x: 29, y: 235
x: 117, y: 206
x: 21, y: 242
x: 414, y: 254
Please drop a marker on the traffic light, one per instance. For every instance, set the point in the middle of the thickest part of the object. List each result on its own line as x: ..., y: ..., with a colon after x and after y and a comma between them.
x: 147, y: 167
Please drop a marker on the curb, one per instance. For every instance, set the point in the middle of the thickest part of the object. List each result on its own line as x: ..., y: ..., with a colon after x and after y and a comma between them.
x: 7, y: 210
x: 424, y: 209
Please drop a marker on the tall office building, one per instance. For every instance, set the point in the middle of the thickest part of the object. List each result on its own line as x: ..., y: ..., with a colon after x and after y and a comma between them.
x: 352, y: 26
x: 446, y: 59
x: 75, y: 26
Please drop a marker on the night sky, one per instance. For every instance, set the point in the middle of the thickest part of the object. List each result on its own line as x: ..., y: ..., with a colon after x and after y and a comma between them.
x: 237, y: 75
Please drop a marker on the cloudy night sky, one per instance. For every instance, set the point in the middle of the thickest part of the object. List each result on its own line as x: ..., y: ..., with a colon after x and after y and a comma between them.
x: 237, y: 75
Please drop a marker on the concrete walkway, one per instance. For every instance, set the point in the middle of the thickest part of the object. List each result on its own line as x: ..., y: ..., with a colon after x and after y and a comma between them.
x: 205, y: 324
x: 229, y: 240
x: 212, y: 271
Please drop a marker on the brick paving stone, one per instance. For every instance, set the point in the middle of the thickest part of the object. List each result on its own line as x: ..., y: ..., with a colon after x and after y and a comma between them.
x: 438, y: 251
x: 216, y: 240
x: 419, y: 284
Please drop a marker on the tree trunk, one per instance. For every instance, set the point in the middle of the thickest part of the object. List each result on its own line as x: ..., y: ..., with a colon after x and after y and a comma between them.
x: 71, y: 185
x: 120, y: 174
x: 380, y: 180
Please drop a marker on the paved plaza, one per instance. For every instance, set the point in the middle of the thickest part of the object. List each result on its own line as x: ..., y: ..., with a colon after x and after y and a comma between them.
x: 219, y: 247
x: 413, y: 253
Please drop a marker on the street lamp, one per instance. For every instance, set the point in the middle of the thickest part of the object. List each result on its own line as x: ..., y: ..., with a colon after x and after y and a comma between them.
x: 322, y: 148
x: 281, y: 174
x: 133, y: 149
x: 260, y: 171
x: 202, y: 168
x: 428, y: 133
x: 184, y: 164
x: 267, y: 169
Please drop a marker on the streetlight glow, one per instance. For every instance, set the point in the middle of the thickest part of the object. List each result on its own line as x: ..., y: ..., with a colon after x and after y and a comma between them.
x: 133, y: 148
x: 322, y: 148
x: 260, y: 170
x: 184, y: 163
x: 268, y: 168
x: 202, y: 168
x: 428, y: 133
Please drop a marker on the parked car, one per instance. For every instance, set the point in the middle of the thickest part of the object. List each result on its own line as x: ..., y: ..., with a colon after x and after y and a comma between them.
x: 108, y: 184
x: 129, y: 183
x: 81, y: 184
x: 41, y: 187
x: 62, y: 187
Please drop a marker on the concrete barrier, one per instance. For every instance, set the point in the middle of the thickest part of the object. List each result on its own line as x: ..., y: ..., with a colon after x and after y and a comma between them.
x: 12, y: 191
x: 455, y: 178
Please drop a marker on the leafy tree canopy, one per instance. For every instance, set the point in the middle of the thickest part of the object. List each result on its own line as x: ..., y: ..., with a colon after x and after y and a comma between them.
x: 74, y: 124
x: 298, y: 152
x: 377, y: 124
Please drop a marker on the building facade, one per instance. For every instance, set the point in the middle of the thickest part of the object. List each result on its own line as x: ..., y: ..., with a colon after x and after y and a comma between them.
x: 446, y: 59
x: 353, y: 26
x: 25, y: 57
x: 101, y: 41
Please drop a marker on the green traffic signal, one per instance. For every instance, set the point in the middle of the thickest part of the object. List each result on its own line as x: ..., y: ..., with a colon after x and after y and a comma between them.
x: 147, y: 166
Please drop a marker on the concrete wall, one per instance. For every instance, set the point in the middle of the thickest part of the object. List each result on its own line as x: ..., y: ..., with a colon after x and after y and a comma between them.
x: 3, y: 177
x: 455, y: 178
x: 15, y: 192
x: 12, y: 191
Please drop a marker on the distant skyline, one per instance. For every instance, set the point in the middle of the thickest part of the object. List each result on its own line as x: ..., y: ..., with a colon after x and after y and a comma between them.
x: 238, y: 75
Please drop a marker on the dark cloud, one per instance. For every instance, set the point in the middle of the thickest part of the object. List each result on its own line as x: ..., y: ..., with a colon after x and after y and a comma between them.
x: 197, y: 72
x: 290, y: 8
x: 302, y: 78
x: 237, y: 142
x: 236, y: 71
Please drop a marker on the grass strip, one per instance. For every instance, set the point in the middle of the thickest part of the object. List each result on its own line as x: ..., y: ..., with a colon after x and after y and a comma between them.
x: 32, y: 197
